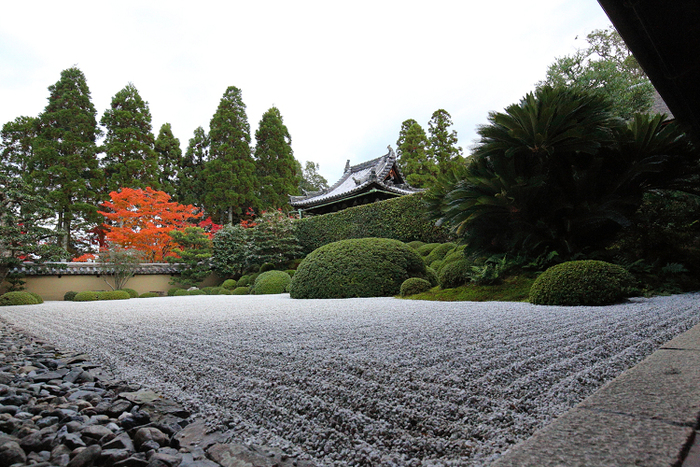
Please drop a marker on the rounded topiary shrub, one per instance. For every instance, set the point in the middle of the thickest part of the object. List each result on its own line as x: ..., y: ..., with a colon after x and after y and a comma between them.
x: 415, y: 244
x: 439, y: 252
x: 266, y: 267
x: 586, y: 282
x: 271, y: 282
x: 86, y: 296
x: 240, y: 291
x: 413, y: 286
x: 148, y: 295
x: 455, y: 274
x: 114, y: 295
x: 244, y: 281
x: 291, y: 272
x: 230, y: 284
x: 37, y: 297
x: 179, y: 292
x: 173, y: 291
x: 17, y: 298
x: 132, y: 293
x: 431, y: 276
x: 225, y: 291
x: 363, y: 267
x: 210, y: 290
x: 426, y: 249
x: 69, y: 296
x: 196, y: 292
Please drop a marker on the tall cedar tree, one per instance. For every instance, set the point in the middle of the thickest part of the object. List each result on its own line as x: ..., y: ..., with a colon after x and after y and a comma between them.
x: 413, y: 156
x: 169, y: 156
x: 130, y: 160
x: 274, y: 160
x: 18, y: 146
x: 65, y: 161
x: 230, y: 173
x: 190, y: 187
x: 443, y: 147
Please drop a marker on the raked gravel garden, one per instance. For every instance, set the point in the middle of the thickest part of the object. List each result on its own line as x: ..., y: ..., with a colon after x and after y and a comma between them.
x: 378, y: 381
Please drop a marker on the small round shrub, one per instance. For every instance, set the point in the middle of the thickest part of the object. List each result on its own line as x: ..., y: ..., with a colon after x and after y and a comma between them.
x: 209, y: 290
x: 38, y: 298
x: 132, y: 293
x: 244, y: 281
x: 439, y: 252
x: 455, y: 274
x: 86, y: 296
x: 225, y: 291
x: 413, y: 286
x: 148, y: 295
x: 229, y: 284
x: 240, y: 291
x: 173, y: 291
x: 179, y: 292
x: 415, y: 244
x: 362, y: 267
x: 266, y: 267
x: 587, y: 282
x: 291, y: 272
x: 69, y: 296
x: 17, y: 298
x: 196, y: 292
x: 426, y: 249
x: 455, y: 255
x: 252, y: 279
x: 271, y: 282
x: 114, y: 295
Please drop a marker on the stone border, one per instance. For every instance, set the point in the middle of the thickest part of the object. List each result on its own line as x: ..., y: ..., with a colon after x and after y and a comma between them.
x: 646, y: 416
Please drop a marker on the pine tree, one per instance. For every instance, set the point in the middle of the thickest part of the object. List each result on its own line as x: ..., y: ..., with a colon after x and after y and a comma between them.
x: 274, y: 159
x: 169, y: 157
x: 230, y: 173
x: 443, y: 147
x: 65, y: 161
x: 413, y: 157
x: 130, y: 160
x: 190, y: 187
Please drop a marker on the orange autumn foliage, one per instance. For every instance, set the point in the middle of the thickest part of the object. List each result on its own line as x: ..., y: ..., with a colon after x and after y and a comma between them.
x: 141, y: 219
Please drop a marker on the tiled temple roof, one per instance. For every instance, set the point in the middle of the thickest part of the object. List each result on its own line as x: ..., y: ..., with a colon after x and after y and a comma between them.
x: 88, y: 269
x: 357, y: 179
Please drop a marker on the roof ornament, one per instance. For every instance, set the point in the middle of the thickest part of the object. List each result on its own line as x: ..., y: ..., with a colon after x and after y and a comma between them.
x: 372, y: 174
x: 357, y: 182
x: 391, y: 151
x: 347, y: 166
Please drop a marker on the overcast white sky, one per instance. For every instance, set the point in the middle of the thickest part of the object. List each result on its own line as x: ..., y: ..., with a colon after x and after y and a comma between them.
x: 343, y: 74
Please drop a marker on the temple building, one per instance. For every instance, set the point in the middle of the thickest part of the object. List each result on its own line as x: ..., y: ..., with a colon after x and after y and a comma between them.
x: 371, y: 181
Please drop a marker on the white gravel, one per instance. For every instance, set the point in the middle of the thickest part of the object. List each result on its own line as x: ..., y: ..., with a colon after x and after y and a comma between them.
x: 366, y: 381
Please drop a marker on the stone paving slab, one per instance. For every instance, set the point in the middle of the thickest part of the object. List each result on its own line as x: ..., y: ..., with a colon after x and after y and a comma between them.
x: 585, y: 438
x: 646, y: 416
x: 665, y: 386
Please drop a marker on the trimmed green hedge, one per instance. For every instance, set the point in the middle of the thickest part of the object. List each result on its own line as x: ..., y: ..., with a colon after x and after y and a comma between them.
x: 132, y: 293
x: 148, y: 295
x: 240, y: 291
x: 86, y: 296
x: 271, y: 282
x: 364, y: 267
x: 400, y: 219
x: 587, y: 282
x: 18, y: 298
x: 114, y: 295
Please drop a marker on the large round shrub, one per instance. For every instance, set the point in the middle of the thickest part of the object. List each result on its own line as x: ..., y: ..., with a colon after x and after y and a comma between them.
x: 17, y: 298
x: 271, y: 282
x: 86, y: 296
x: 362, y: 267
x: 455, y: 274
x: 114, y: 295
x: 413, y: 286
x: 586, y: 282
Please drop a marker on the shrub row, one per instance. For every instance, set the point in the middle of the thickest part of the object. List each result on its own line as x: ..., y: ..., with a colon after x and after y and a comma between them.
x: 399, y: 219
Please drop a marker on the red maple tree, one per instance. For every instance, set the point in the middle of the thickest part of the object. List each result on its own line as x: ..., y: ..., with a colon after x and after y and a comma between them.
x: 141, y: 219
